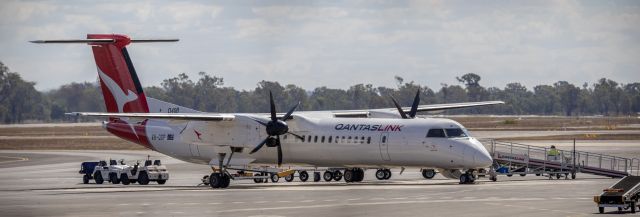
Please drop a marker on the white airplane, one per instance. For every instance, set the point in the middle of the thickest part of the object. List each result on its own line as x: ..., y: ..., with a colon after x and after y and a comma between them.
x: 347, y: 140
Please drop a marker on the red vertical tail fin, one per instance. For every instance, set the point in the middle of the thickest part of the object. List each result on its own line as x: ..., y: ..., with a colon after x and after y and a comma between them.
x: 120, y: 85
x: 118, y: 79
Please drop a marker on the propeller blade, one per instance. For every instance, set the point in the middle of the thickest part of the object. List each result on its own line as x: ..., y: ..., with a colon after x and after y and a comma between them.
x: 296, y: 135
x: 279, y: 145
x: 259, y: 146
x: 290, y: 112
x: 259, y: 121
x: 404, y: 116
x: 273, y: 108
x: 414, y: 107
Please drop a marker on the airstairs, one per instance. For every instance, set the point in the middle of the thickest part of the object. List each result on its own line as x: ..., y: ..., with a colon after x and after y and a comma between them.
x: 521, y: 159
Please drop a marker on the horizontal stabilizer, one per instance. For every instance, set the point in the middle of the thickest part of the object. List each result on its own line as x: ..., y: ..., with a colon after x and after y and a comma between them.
x: 100, y: 41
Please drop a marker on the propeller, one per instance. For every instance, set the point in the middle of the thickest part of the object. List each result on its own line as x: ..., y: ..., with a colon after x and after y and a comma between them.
x: 275, y: 128
x: 414, y: 107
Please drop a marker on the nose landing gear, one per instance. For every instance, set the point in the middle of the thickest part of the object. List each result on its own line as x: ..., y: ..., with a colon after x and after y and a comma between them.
x: 467, y: 177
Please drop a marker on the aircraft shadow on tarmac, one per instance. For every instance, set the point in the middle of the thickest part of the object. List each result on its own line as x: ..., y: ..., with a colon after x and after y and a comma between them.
x: 87, y: 188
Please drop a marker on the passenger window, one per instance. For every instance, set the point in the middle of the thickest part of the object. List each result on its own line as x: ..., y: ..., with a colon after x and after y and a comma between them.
x: 315, y: 139
x: 384, y: 139
x: 309, y: 138
x: 436, y: 133
x: 343, y: 140
x: 369, y: 140
x: 322, y: 139
x: 362, y: 140
x: 302, y: 138
x: 349, y: 139
x: 329, y: 140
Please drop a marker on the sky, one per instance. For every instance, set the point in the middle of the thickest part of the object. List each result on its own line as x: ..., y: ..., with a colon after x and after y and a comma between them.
x: 332, y: 43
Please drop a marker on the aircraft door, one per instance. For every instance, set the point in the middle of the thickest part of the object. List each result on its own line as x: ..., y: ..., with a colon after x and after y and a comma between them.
x: 384, y: 146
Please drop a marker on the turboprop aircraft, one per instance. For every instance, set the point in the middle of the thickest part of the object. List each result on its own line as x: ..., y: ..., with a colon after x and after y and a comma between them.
x: 347, y: 140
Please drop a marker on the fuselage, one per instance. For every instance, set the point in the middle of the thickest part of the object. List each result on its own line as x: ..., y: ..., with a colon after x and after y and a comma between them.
x: 328, y: 142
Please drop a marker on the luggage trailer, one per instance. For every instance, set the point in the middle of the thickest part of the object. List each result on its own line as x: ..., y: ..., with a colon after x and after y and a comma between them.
x: 624, y: 194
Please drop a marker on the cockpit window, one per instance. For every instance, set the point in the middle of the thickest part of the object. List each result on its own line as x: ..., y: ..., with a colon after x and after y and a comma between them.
x: 436, y: 133
x: 455, y: 132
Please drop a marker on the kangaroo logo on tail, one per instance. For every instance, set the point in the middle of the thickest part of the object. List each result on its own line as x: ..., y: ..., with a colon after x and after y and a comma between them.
x: 117, y: 92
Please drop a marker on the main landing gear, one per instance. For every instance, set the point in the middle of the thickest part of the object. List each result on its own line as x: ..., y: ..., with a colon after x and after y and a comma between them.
x: 219, y: 178
x: 383, y: 174
x: 467, y: 177
x: 353, y: 175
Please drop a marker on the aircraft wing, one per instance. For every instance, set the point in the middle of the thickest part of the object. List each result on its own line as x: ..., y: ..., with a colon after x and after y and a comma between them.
x: 422, y: 108
x: 172, y: 116
x: 231, y: 117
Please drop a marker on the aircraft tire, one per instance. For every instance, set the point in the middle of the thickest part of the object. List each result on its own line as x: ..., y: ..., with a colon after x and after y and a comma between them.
x: 348, y: 175
x: 162, y: 181
x: 215, y: 180
x: 380, y: 174
x: 327, y: 176
x: 359, y: 174
x: 337, y: 175
x: 464, y: 179
x: 85, y: 179
x: 226, y: 180
x: 304, y: 176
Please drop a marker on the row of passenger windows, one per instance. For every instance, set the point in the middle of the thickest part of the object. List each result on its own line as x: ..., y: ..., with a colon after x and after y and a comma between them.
x: 335, y: 139
x: 443, y: 133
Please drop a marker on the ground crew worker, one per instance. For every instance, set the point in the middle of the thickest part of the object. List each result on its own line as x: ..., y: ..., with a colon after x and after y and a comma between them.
x: 553, y: 153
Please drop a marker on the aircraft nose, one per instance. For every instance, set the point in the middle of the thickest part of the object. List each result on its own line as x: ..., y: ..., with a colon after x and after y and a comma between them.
x: 483, y: 158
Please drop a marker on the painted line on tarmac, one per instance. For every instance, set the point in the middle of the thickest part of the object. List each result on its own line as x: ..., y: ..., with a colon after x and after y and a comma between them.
x: 382, y: 203
x: 17, y: 159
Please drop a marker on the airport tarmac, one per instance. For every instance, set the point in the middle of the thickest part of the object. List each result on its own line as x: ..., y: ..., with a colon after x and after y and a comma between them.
x: 47, y: 183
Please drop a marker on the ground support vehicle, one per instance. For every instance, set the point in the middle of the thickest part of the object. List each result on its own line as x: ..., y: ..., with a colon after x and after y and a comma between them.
x: 103, y: 172
x: 624, y: 194
x: 87, y: 169
x: 151, y: 171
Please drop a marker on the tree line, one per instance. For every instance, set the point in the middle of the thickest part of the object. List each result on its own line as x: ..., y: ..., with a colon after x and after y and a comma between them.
x: 21, y: 102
